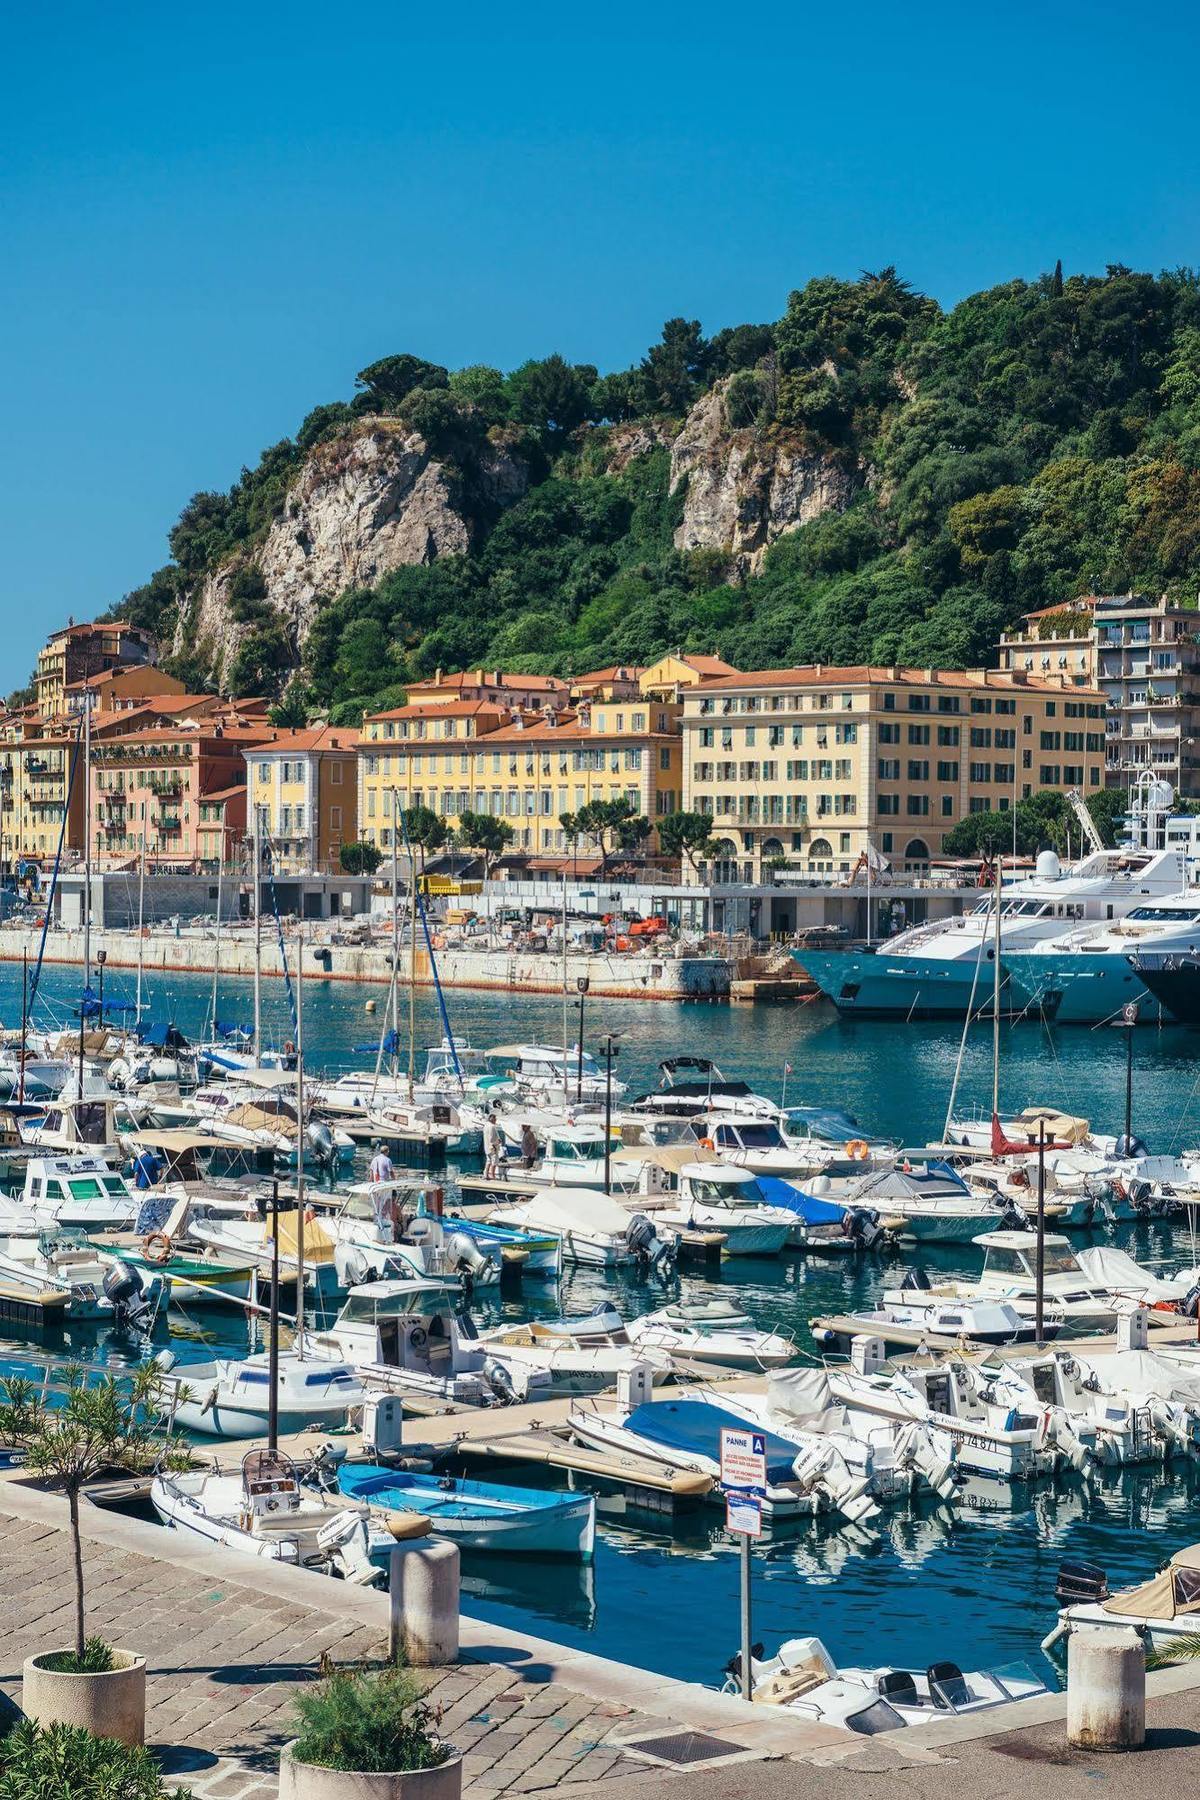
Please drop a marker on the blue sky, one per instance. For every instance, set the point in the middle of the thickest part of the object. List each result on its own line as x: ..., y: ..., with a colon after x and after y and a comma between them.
x: 210, y: 217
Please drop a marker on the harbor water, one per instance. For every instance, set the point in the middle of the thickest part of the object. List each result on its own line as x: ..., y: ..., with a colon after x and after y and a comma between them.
x: 975, y: 1586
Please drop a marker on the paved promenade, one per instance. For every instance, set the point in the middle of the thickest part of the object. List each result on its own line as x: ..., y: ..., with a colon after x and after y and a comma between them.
x: 228, y: 1640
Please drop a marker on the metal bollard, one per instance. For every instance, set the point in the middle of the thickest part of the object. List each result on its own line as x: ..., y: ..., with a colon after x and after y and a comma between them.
x: 1106, y: 1689
x: 423, y: 1593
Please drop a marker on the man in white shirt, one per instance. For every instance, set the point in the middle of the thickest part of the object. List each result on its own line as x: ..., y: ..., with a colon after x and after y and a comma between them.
x: 493, y: 1148
x: 381, y: 1165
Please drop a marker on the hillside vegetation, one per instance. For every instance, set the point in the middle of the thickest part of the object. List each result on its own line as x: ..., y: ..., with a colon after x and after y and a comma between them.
x: 1039, y: 440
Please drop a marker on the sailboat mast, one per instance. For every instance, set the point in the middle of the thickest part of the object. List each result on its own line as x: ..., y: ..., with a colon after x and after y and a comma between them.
x: 87, y: 844
x: 565, y: 1027
x: 396, y: 928
x: 996, y: 996
x: 257, y: 849
x: 412, y: 970
x: 217, y: 945
x: 300, y: 1139
x: 137, y: 1016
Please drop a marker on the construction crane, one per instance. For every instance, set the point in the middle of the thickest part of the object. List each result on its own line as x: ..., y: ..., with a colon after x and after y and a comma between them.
x: 1086, y: 822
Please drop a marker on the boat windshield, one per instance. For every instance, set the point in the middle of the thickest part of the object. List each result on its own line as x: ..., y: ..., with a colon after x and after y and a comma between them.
x: 727, y: 1193
x: 1171, y: 915
x: 95, y: 1187
x: 751, y: 1137
x: 1060, y: 1260
x: 577, y: 1150
x: 365, y: 1309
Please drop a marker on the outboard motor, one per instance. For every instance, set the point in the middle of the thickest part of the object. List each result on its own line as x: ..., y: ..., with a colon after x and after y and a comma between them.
x: 1189, y: 1306
x: 862, y: 1226
x: 916, y: 1281
x: 125, y: 1292
x: 1130, y: 1149
x: 1139, y: 1195
x: 1014, y: 1218
x: 648, y: 1249
x: 1080, y: 1583
x: 466, y: 1258
x: 320, y: 1142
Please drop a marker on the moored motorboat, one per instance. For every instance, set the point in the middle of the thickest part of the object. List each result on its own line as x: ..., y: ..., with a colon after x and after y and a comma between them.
x: 804, y: 1678
x: 264, y: 1512
x: 479, y: 1515
x: 712, y: 1331
x: 230, y: 1397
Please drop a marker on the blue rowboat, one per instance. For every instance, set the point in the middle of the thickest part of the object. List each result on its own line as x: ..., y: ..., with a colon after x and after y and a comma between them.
x: 480, y: 1515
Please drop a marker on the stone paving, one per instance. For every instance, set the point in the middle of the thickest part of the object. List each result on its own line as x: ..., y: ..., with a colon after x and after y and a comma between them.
x: 224, y: 1662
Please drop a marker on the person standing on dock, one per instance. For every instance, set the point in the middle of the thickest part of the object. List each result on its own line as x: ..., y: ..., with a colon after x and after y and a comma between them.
x: 529, y: 1146
x: 493, y: 1147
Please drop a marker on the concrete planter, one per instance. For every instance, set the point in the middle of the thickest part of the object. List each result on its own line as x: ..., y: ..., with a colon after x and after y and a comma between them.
x: 305, y: 1781
x: 112, y: 1705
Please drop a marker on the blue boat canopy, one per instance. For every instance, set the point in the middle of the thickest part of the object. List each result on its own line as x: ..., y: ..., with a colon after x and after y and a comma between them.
x: 805, y: 1206
x: 694, y: 1427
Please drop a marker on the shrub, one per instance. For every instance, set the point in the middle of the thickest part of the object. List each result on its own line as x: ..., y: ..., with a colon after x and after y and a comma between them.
x: 62, y: 1762
x: 375, y: 1723
x: 96, y: 1659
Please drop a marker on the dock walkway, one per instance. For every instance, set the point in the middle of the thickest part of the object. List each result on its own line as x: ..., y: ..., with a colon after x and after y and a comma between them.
x: 228, y: 1639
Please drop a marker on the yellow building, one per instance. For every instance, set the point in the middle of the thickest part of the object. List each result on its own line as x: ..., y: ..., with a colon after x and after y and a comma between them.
x: 79, y: 651
x: 494, y: 687
x: 35, y: 777
x: 527, y: 769
x: 810, y: 767
x: 302, y: 794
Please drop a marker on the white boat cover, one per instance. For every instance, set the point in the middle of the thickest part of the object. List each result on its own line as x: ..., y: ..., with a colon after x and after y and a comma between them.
x: 575, y: 1209
x: 1142, y: 1372
x: 798, y: 1393
x: 1107, y: 1267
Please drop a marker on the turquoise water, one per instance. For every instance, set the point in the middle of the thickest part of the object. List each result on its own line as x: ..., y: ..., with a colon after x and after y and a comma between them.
x: 975, y: 1587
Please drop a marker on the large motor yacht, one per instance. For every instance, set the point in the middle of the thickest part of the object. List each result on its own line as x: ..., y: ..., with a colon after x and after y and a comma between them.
x: 931, y: 971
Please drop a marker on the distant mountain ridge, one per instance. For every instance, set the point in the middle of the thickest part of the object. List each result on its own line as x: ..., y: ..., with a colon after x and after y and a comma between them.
x: 870, y: 478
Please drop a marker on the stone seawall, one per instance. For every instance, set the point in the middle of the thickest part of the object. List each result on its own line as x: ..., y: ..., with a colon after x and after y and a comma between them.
x: 639, y: 976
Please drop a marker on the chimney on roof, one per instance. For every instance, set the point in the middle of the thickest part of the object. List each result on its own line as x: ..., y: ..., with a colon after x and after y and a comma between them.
x: 497, y: 679
x: 438, y: 675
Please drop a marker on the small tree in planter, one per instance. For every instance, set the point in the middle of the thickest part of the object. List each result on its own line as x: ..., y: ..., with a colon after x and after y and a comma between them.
x: 108, y: 1425
x: 72, y: 1764
x: 369, y: 1734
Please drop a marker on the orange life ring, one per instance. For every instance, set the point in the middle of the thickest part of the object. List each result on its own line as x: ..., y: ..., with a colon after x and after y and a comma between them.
x: 157, y: 1247
x: 309, y: 1215
x: 857, y: 1150
x: 706, y: 1143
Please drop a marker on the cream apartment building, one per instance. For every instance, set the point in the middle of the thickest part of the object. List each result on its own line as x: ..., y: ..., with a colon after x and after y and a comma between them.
x: 808, y: 768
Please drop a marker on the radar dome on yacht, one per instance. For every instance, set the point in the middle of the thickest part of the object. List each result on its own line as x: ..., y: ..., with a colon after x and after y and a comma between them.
x: 1048, y: 866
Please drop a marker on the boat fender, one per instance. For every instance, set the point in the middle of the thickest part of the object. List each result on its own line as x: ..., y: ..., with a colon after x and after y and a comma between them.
x: 406, y: 1525
x: 157, y: 1247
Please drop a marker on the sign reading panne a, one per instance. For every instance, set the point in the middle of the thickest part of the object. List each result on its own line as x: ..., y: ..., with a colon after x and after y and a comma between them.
x: 744, y: 1460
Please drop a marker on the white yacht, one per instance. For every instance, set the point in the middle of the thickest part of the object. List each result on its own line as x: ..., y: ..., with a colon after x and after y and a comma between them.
x: 714, y: 1196
x: 932, y: 970
x: 413, y: 1335
x: 543, y: 1069
x: 1086, y: 975
x: 1076, y: 1287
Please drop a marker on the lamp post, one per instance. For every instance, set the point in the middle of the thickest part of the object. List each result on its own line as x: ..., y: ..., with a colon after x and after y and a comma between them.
x: 1127, y: 1022
x: 582, y: 983
x: 101, y: 959
x: 609, y: 1053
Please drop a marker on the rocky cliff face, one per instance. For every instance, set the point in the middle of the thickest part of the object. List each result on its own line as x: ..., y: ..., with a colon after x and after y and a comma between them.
x: 361, y: 507
x: 745, y: 489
